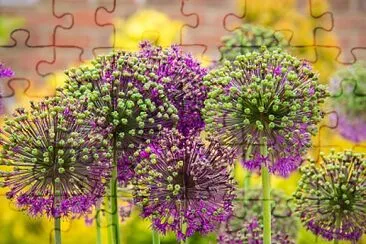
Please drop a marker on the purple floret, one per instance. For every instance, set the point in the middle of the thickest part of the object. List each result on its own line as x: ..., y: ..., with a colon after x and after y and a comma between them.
x: 5, y: 72
x: 265, y: 99
x: 57, y: 163
x: 182, y: 77
x: 183, y: 185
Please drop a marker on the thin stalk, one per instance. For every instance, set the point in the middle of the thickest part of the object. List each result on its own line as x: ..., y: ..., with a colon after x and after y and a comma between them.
x: 113, y: 197
x: 99, y: 232
x: 247, y: 174
x: 266, y: 184
x: 247, y: 177
x: 185, y: 242
x: 57, y: 230
x: 57, y: 223
x: 109, y: 219
x: 338, y: 226
x: 155, y: 237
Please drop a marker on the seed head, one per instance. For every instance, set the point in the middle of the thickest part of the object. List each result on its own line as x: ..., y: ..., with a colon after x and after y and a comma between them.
x: 330, y: 197
x: 266, y: 97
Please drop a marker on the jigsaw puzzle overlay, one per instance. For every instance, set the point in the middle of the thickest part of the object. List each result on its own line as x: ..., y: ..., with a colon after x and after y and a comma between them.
x: 39, y: 39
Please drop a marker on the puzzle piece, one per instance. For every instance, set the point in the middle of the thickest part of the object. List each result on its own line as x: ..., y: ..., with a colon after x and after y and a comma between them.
x: 28, y: 71
x: 348, y: 27
x: 75, y: 31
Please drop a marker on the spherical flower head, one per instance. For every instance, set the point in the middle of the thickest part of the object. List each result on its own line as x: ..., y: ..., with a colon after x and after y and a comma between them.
x: 182, y: 78
x: 122, y: 89
x: 331, y: 196
x: 348, y: 90
x: 248, y: 38
x: 183, y: 185
x: 55, y: 162
x: 265, y: 98
x: 245, y: 225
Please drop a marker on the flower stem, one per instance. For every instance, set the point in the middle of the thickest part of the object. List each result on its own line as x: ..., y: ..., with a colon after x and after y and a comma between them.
x: 155, y: 237
x: 247, y: 174
x: 58, y: 230
x: 113, y: 197
x: 185, y: 242
x: 109, y: 219
x: 247, y: 177
x: 338, y: 226
x: 266, y: 184
x: 99, y: 233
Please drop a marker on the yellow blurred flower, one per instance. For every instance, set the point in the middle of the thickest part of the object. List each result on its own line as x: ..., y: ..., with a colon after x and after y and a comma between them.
x: 146, y: 24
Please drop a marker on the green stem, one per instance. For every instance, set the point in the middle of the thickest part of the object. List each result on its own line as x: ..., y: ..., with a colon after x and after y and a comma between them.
x: 266, y: 184
x: 185, y: 242
x: 113, y: 198
x: 338, y: 226
x: 247, y: 177
x: 99, y: 232
x: 57, y: 231
x: 109, y: 219
x: 155, y: 237
x: 247, y: 174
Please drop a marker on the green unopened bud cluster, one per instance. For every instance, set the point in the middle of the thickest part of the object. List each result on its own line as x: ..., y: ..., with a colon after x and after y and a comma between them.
x: 332, y: 194
x: 248, y: 38
x: 264, y: 96
x: 124, y: 92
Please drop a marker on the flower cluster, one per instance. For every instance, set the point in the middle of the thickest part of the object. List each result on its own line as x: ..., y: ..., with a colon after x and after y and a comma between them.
x: 57, y: 163
x: 183, y: 185
x: 122, y: 89
x: 265, y: 98
x: 248, y: 38
x: 245, y: 224
x: 348, y: 90
x: 182, y: 78
x: 331, y: 197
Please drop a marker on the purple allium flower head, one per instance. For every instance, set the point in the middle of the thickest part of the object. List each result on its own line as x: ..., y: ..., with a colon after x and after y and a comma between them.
x: 124, y: 91
x: 183, y: 185
x: 348, y: 90
x: 266, y: 97
x: 55, y: 163
x: 182, y: 78
x: 5, y: 72
x: 245, y: 224
x: 331, y: 197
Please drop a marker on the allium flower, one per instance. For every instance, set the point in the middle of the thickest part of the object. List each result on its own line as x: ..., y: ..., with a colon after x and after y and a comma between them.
x: 331, y: 197
x: 245, y: 224
x: 266, y: 97
x: 348, y: 90
x: 123, y: 90
x: 248, y: 38
x: 183, y: 185
x: 5, y: 72
x: 182, y: 78
x: 56, y: 163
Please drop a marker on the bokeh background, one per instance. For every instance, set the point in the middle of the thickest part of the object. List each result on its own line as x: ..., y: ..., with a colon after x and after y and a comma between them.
x: 41, y: 38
